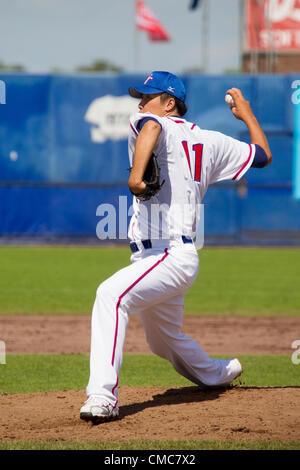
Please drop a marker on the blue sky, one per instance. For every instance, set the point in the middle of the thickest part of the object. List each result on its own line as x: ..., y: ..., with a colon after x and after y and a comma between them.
x: 43, y: 34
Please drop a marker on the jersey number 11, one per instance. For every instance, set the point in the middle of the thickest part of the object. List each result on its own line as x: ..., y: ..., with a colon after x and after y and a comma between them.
x: 197, y: 151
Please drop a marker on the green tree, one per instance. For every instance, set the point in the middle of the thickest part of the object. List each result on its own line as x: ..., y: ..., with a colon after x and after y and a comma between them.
x: 233, y: 71
x: 196, y: 70
x: 99, y: 66
x: 12, y: 68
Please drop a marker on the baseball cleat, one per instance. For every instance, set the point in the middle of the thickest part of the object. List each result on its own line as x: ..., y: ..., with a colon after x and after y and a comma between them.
x: 97, y: 410
x: 235, y: 369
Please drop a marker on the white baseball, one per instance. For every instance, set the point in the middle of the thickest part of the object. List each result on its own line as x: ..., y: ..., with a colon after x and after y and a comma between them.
x: 229, y: 100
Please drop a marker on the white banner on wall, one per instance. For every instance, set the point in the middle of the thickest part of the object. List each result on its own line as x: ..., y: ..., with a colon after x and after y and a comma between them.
x: 110, y: 116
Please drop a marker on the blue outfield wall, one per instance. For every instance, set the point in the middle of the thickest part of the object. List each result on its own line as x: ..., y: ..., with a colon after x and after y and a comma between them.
x: 63, y: 152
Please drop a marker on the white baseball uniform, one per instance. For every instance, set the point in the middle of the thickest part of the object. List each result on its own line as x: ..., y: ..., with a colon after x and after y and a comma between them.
x: 164, y: 260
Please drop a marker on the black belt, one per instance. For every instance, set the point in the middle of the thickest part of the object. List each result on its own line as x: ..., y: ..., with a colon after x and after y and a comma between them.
x: 148, y: 244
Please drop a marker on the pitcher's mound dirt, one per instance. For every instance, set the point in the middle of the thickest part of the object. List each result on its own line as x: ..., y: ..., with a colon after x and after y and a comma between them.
x: 157, y: 413
x: 33, y: 334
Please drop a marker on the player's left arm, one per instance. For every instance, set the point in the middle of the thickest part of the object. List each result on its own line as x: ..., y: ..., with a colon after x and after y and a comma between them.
x: 145, y: 144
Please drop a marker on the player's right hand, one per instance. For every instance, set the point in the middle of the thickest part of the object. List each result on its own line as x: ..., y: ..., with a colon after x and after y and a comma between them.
x: 241, y: 108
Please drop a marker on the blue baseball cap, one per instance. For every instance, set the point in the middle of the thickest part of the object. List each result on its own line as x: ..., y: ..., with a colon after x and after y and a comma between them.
x: 160, y: 82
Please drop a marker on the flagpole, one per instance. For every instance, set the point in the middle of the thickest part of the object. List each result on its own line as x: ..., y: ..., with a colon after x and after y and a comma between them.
x: 136, y: 40
x: 242, y: 29
x: 204, y: 36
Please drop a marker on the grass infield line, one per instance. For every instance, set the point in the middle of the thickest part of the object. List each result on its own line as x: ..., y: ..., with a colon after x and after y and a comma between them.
x: 42, y: 373
x: 151, y: 445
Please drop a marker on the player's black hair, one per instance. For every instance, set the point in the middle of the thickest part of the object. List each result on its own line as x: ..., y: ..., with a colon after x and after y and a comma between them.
x: 180, y: 105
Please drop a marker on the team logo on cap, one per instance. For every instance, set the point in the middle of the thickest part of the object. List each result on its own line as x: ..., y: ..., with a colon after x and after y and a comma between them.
x: 171, y: 89
x: 148, y: 78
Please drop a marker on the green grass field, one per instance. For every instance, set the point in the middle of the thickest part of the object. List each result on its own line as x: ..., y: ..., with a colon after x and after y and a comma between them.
x: 231, y: 281
x: 41, y: 373
x: 63, y: 280
x: 196, y: 445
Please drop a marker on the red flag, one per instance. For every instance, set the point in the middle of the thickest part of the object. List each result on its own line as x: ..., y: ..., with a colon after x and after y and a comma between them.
x: 146, y: 21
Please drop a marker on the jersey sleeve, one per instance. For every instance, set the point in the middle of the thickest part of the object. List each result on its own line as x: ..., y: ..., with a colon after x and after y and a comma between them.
x: 231, y: 158
x: 260, y: 158
x: 143, y: 121
x: 139, y: 119
x: 136, y: 123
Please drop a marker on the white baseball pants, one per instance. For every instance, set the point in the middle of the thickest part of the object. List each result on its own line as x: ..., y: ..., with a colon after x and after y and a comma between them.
x: 153, y: 285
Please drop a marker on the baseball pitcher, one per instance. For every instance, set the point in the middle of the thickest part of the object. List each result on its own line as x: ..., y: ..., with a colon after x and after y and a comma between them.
x: 172, y: 162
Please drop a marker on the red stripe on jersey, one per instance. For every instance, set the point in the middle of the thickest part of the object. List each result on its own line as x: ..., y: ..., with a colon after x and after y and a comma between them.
x: 176, y: 120
x: 198, y: 149
x: 123, y: 294
x: 186, y: 150
x: 134, y: 130
x: 193, y: 126
x: 244, y: 165
x: 113, y: 391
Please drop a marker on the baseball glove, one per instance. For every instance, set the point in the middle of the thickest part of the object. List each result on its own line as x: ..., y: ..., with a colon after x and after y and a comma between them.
x: 152, y: 180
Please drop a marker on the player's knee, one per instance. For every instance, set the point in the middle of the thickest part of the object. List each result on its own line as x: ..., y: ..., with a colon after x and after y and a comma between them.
x: 156, y: 350
x: 104, y: 290
x: 156, y: 347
